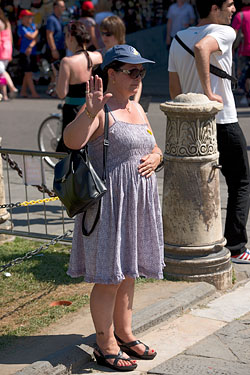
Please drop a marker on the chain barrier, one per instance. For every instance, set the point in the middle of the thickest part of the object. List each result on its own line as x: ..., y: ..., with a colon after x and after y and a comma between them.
x: 27, y: 203
x: 13, y: 165
x: 30, y: 254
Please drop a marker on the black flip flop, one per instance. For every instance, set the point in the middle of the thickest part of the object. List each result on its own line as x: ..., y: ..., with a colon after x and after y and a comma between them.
x: 126, y: 347
x: 101, y: 359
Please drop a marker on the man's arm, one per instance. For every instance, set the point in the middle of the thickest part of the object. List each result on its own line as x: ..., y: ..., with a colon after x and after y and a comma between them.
x: 174, y: 85
x: 168, y: 36
x: 51, y: 43
x: 33, y: 35
x: 202, y: 51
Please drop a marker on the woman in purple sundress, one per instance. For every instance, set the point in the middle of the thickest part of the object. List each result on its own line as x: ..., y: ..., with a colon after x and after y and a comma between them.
x: 128, y: 239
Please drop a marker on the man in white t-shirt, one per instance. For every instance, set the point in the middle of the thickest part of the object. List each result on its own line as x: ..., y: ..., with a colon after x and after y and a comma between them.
x: 211, y: 40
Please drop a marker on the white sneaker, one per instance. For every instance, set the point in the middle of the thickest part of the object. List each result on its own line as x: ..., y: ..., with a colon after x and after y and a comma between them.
x: 242, y: 258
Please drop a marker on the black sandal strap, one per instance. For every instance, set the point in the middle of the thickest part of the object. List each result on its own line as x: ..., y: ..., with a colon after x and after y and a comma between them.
x: 146, y: 349
x: 116, y: 357
x: 131, y: 343
x: 112, y: 356
x: 128, y: 344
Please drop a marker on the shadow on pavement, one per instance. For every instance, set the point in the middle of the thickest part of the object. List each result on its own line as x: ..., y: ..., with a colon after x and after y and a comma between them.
x: 28, y: 349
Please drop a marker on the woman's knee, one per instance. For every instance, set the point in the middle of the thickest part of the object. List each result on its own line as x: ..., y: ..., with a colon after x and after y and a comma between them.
x: 2, y: 67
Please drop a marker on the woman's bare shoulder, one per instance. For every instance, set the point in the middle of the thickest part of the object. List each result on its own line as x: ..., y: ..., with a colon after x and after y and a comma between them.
x: 96, y: 57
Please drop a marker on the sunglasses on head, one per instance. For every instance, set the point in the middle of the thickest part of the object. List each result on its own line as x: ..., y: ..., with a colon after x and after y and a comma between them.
x: 106, y: 33
x: 134, y: 73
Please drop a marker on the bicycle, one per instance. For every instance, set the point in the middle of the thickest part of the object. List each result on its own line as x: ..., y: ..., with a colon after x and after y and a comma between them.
x: 49, y: 134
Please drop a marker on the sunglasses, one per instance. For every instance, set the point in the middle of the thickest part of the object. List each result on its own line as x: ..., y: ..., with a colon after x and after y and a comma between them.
x: 106, y: 33
x: 134, y: 73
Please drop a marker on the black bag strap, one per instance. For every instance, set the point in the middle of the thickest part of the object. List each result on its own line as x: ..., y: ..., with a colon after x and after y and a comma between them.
x: 84, y: 230
x: 213, y: 69
x: 105, y: 142
x: 105, y: 155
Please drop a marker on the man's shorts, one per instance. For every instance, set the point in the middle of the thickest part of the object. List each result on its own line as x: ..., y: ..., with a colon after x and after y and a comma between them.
x: 28, y: 63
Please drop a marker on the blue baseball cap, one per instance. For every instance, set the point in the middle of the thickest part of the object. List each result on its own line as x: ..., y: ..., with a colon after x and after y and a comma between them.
x: 124, y: 53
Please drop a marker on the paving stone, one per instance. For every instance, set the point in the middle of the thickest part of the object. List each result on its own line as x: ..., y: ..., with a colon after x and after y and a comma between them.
x: 191, y: 365
x: 212, y: 347
x: 223, y: 309
x: 236, y: 336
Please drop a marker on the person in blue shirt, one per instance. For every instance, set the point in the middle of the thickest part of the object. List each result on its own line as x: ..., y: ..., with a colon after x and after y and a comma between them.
x: 28, y: 34
x: 54, y: 31
x: 55, y: 36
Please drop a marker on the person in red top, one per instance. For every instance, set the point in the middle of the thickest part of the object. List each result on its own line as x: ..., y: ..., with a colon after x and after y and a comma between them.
x: 6, y: 56
x: 241, y: 21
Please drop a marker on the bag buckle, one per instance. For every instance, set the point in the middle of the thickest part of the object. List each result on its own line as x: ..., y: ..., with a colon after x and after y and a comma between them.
x: 106, y: 142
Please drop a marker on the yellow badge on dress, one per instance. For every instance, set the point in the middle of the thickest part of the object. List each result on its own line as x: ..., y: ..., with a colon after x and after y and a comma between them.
x: 149, y: 131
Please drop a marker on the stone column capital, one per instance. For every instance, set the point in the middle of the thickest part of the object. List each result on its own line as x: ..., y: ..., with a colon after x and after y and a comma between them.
x: 191, y: 103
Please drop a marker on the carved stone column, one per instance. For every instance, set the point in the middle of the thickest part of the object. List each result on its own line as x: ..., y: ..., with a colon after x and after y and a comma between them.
x: 194, y: 243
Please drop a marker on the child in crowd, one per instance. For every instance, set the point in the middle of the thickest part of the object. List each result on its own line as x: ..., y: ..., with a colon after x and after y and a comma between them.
x: 28, y: 33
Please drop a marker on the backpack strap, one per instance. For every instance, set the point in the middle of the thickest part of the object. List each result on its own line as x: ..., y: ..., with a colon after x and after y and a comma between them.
x: 213, y: 69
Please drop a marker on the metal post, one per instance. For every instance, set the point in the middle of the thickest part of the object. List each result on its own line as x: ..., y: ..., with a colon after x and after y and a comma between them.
x: 194, y: 243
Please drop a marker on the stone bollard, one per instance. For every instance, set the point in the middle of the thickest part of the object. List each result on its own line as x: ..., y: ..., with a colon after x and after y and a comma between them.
x: 194, y: 242
x: 4, y: 214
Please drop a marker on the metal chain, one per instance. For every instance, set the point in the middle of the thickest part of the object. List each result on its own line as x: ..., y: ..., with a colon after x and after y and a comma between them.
x: 30, y: 254
x: 10, y: 205
x: 42, y: 188
x: 27, y: 203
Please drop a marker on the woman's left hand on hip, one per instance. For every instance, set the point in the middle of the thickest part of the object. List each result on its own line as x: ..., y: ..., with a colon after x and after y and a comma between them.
x: 149, y: 164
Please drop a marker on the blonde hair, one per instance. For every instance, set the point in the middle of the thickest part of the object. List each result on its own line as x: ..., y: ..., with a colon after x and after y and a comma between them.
x: 115, y: 26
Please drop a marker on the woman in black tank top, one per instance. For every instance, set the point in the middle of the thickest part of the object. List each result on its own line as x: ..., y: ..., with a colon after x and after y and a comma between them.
x: 76, y: 39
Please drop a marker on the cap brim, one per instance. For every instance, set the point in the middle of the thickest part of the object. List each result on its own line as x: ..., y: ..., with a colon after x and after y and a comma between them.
x: 129, y: 60
x: 136, y: 60
x: 26, y: 15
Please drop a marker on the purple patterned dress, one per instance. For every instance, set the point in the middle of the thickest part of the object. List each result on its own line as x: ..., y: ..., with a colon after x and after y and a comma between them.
x: 128, y: 239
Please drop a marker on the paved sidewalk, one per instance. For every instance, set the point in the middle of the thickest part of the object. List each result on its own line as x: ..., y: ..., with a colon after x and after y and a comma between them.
x: 224, y: 352
x: 59, y: 344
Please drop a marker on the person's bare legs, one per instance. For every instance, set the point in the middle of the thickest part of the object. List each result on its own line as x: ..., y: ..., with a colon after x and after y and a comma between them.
x: 123, y: 314
x: 24, y: 87
x: 31, y: 85
x: 10, y: 83
x: 102, y: 303
x: 4, y: 92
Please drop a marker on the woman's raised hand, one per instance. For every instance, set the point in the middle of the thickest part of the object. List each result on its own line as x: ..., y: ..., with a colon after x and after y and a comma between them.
x: 95, y: 100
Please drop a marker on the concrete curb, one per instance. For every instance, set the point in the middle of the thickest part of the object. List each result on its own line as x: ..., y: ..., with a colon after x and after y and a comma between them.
x: 76, y: 356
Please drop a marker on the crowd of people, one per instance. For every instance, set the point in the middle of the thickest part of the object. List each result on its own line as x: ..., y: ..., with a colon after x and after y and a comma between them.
x: 44, y: 24
x: 95, y: 73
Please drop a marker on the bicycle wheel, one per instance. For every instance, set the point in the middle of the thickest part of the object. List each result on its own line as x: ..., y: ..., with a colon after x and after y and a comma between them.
x: 49, y: 134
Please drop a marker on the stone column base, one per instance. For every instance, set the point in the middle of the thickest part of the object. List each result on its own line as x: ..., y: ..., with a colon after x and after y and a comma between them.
x: 214, y: 268
x: 7, y: 225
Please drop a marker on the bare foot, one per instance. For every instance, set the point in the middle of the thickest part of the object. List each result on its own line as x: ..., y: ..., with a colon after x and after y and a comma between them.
x: 13, y: 93
x: 23, y: 95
